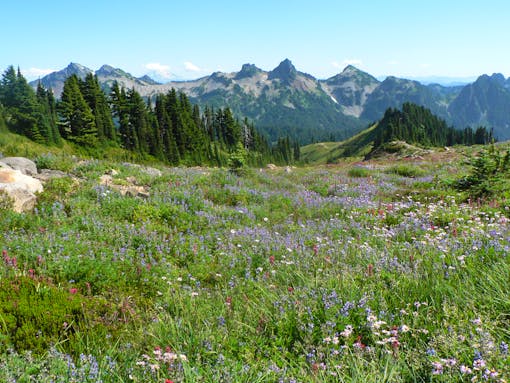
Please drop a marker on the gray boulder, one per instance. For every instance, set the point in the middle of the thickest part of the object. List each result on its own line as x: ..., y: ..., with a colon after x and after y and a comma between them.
x: 24, y: 165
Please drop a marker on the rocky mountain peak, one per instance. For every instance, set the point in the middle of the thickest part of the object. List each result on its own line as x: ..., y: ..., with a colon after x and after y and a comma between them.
x: 75, y: 68
x: 499, y: 78
x: 78, y: 67
x: 149, y: 80
x: 106, y: 70
x: 109, y: 71
x: 247, y: 70
x: 351, y: 75
x: 350, y: 69
x: 286, y: 72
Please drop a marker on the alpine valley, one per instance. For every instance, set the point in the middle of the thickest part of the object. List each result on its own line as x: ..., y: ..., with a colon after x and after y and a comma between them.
x: 285, y: 101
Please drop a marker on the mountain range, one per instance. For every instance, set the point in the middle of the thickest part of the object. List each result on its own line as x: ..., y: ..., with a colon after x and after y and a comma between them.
x: 285, y: 101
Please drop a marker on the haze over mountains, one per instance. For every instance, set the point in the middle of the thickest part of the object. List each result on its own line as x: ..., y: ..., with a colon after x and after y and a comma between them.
x: 285, y: 101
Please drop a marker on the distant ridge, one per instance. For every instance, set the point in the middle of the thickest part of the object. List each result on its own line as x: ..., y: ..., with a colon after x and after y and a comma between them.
x: 285, y: 101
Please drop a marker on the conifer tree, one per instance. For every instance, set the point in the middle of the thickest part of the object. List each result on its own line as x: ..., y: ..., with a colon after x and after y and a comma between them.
x: 26, y: 116
x: 118, y: 101
x: 170, y: 149
x: 98, y: 103
x: 231, y: 129
x: 138, y: 128
x: 76, y: 120
x: 3, y: 126
x: 49, y: 114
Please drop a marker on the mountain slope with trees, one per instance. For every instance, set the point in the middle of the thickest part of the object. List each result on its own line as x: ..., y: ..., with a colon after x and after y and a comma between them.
x: 169, y: 128
x: 412, y: 125
x: 285, y: 101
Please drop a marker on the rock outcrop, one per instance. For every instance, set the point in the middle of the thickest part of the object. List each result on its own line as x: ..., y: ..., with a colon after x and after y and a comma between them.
x: 24, y: 165
x: 20, y: 188
x: 129, y: 189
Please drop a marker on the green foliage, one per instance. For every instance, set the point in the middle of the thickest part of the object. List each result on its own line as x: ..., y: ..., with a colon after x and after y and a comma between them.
x: 359, y: 171
x: 405, y: 170
x: 489, y: 175
x: 417, y: 125
x: 56, y: 189
x: 3, y: 125
x: 35, y: 314
x: 56, y: 162
x: 237, y: 159
x: 25, y: 112
x: 77, y: 122
x: 308, y: 275
x: 171, y: 130
x: 5, y: 201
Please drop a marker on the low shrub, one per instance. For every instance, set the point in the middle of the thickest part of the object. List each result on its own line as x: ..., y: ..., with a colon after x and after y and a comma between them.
x: 488, y: 176
x: 359, y: 172
x: 405, y: 170
x: 35, y: 314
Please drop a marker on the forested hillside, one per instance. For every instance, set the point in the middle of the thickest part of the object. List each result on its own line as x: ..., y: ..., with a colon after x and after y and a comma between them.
x: 418, y: 125
x: 167, y: 128
x: 413, y: 126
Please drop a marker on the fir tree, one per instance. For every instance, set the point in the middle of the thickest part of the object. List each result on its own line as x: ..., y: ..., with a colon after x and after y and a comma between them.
x: 98, y: 103
x: 138, y: 128
x: 170, y: 149
x: 49, y: 114
x: 26, y: 115
x: 76, y: 120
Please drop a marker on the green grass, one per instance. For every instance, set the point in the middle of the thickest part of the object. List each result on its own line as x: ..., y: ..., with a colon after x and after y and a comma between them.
x: 329, y: 152
x: 405, y: 170
x: 322, y: 274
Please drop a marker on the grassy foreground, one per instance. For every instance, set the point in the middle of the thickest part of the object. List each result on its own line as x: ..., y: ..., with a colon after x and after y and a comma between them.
x: 370, y: 273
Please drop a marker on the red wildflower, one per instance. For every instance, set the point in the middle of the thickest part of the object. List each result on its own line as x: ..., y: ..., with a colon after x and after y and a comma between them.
x: 73, y: 290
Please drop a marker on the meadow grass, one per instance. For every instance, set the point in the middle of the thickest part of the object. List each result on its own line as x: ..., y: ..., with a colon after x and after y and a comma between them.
x: 321, y: 274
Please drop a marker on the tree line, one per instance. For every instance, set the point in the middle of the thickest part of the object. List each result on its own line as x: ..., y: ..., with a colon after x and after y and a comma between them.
x: 167, y: 127
x: 418, y: 125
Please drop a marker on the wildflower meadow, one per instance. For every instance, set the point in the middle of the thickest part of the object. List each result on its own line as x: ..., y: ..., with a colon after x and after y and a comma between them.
x: 354, y: 272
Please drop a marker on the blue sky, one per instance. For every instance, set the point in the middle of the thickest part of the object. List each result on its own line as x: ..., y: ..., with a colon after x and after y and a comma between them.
x: 191, y: 38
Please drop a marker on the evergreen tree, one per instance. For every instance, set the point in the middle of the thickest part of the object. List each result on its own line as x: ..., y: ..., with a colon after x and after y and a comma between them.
x: 170, y: 149
x: 3, y: 126
x: 98, y: 103
x: 297, y: 151
x: 76, y: 120
x: 120, y: 109
x: 417, y: 125
x: 138, y: 127
x: 26, y: 116
x: 230, y: 129
x: 49, y: 117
